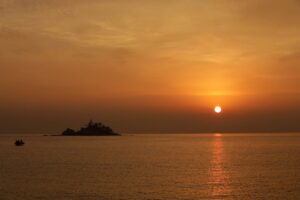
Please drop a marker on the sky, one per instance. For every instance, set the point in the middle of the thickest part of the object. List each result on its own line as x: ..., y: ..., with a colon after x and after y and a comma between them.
x: 150, y: 66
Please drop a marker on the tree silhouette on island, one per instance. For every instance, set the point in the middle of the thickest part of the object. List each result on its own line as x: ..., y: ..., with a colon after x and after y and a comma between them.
x: 91, y: 129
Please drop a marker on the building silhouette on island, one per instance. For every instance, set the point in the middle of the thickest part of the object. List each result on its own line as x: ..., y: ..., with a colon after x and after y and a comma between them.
x: 91, y: 129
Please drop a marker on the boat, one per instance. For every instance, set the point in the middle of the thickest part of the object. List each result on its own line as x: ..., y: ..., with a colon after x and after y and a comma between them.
x: 19, y: 143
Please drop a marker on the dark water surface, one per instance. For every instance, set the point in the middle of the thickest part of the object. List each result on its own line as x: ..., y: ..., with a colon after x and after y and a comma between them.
x: 169, y: 166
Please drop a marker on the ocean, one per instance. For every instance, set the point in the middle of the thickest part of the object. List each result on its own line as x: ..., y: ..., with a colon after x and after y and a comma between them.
x: 151, y: 167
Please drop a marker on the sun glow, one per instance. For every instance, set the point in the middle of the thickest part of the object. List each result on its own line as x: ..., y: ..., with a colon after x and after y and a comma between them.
x: 218, y: 109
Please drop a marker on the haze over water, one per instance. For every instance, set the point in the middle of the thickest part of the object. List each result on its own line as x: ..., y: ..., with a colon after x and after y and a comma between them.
x: 152, y: 166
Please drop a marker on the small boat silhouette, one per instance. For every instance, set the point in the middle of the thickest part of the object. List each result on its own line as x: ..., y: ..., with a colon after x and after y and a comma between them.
x: 19, y: 143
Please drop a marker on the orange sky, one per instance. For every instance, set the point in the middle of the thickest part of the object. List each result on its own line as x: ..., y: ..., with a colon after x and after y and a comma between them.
x: 143, y: 66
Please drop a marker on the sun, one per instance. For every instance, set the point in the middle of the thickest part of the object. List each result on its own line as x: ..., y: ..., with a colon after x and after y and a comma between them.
x: 218, y: 109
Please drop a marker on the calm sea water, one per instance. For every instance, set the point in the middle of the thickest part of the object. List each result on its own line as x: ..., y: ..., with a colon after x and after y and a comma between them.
x: 169, y: 166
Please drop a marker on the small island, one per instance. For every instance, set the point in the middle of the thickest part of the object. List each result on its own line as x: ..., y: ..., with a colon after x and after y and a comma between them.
x: 91, y: 129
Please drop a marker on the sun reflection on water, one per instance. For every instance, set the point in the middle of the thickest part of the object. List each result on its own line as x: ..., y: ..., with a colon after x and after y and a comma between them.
x: 219, y: 178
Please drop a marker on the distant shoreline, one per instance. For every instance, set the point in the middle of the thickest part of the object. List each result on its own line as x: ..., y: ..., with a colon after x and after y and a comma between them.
x: 91, y: 129
x: 116, y: 134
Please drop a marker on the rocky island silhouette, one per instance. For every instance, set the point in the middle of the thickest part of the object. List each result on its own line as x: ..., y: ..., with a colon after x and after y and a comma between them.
x: 91, y: 129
